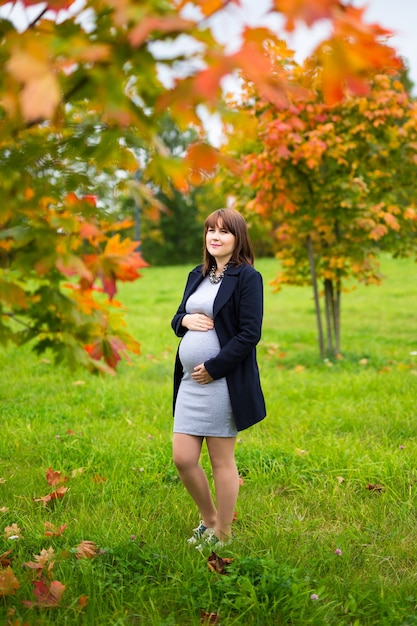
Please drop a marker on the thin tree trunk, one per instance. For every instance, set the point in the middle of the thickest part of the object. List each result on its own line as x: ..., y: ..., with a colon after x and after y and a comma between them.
x: 328, y: 296
x: 316, y: 294
x: 337, y: 315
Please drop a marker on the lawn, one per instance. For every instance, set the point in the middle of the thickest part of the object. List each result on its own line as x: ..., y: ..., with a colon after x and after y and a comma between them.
x: 325, y: 530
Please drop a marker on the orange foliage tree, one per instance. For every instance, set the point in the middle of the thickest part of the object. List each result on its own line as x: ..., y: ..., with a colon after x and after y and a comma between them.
x: 338, y: 184
x: 80, y: 99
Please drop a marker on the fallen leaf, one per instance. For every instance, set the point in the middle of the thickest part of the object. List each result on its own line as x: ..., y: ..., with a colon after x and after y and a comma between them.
x: 301, y: 452
x: 55, y: 478
x: 299, y: 368
x: 12, y: 531
x: 42, y: 561
x: 8, y: 582
x: 217, y: 564
x: 82, y: 602
x: 55, y: 495
x: 377, y: 488
x: 47, y: 594
x: 4, y: 560
x: 86, y: 550
x: 54, y: 531
x: 209, y: 618
x: 99, y: 479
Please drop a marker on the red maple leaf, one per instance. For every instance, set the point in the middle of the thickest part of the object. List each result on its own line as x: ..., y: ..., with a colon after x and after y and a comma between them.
x: 209, y: 618
x: 47, y: 594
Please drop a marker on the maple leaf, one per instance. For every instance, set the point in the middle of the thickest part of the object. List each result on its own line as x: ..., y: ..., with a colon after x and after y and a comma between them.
x: 86, y: 550
x: 40, y: 94
x: 53, y: 5
x: 55, y: 495
x: 120, y: 260
x: 55, y: 478
x: 8, y: 582
x: 149, y: 24
x: 209, y: 618
x: 54, y: 531
x: 47, y: 594
x: 12, y: 531
x: 13, y: 294
x: 218, y: 564
x: 42, y: 561
x: 82, y: 602
x: 99, y: 479
x: 308, y: 11
x: 4, y: 560
x: 377, y: 488
x: 110, y: 349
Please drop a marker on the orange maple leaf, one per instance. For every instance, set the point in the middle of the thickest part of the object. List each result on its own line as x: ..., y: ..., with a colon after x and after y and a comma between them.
x: 161, y: 24
x: 120, y: 260
x: 53, y: 5
x: 99, y: 479
x: 55, y: 495
x: 308, y: 11
x: 8, y: 582
x: 55, y: 478
x: 201, y: 159
x: 54, y: 531
x: 42, y: 561
x: 82, y: 602
x: 12, y: 531
x: 86, y: 550
x: 4, y: 560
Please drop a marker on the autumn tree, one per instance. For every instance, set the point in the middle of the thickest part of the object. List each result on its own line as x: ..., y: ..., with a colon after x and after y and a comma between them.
x: 338, y: 182
x: 81, y: 97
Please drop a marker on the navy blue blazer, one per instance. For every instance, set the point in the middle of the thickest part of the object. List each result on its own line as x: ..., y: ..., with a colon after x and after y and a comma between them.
x: 238, y: 313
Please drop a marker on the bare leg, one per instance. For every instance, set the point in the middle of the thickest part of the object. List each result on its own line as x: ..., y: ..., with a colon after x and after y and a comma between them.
x: 186, y: 453
x: 226, y: 481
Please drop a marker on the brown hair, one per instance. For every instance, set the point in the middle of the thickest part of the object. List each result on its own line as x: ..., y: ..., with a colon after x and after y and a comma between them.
x: 235, y: 224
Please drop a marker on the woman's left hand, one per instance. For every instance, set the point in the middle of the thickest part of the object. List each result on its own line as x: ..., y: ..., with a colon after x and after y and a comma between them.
x: 201, y: 375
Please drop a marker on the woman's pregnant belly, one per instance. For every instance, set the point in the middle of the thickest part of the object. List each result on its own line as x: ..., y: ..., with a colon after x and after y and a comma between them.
x: 196, y: 347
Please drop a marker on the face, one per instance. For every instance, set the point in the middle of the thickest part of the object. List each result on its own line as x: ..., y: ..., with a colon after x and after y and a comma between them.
x: 220, y: 243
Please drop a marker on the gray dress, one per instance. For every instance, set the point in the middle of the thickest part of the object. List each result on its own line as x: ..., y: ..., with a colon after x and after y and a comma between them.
x: 202, y: 410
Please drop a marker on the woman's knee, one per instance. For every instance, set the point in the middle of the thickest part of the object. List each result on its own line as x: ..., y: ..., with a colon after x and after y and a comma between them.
x: 185, y: 453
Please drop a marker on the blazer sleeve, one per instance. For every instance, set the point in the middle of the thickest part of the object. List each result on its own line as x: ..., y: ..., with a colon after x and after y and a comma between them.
x: 176, y: 322
x: 249, y: 328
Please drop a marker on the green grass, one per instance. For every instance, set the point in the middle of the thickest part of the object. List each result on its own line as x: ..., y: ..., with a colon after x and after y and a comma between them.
x: 333, y: 428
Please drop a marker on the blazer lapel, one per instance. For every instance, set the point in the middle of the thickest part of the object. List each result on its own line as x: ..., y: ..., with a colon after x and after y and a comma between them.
x: 227, y: 287
x: 195, y: 279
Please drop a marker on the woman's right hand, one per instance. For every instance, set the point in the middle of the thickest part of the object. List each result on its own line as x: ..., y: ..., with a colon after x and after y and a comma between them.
x: 197, y: 321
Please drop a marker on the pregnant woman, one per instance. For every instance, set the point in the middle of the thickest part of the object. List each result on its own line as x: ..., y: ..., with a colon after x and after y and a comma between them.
x: 217, y: 390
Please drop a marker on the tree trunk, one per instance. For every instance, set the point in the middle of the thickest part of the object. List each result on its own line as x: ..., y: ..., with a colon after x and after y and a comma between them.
x: 337, y: 315
x: 310, y: 252
x: 328, y: 298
